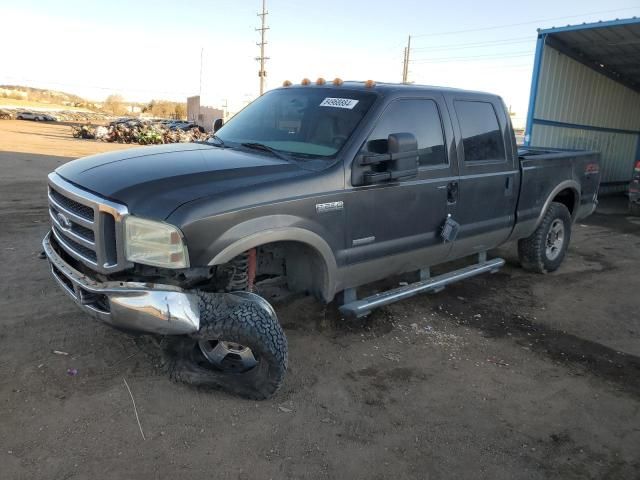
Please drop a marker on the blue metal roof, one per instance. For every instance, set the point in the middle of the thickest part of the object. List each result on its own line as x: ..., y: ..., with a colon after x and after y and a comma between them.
x: 584, y: 26
x: 610, y: 47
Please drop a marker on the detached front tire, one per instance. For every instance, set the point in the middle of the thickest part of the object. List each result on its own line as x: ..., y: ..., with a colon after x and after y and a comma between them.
x: 545, y: 249
x: 240, y: 347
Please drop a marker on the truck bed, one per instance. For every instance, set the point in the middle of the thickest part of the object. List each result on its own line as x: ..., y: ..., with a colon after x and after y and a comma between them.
x: 541, y: 167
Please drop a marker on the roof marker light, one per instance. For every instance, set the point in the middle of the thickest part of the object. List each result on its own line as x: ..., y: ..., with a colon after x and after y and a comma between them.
x: 337, y: 81
x: 305, y: 81
x: 320, y: 81
x: 369, y: 84
x: 286, y: 83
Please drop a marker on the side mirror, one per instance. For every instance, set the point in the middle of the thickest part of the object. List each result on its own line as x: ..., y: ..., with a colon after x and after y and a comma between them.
x: 400, y: 161
x: 403, y: 149
x: 217, y: 124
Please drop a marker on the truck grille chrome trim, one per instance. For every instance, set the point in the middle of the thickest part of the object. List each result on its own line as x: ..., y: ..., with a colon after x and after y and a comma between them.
x: 87, y: 227
x: 142, y: 307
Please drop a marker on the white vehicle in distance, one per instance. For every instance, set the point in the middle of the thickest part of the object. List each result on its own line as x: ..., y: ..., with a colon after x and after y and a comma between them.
x: 30, y: 116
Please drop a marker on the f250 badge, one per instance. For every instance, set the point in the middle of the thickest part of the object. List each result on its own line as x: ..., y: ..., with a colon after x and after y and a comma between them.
x: 329, y: 207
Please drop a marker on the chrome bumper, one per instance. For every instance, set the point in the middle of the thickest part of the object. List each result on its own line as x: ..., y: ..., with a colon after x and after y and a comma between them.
x: 143, y: 307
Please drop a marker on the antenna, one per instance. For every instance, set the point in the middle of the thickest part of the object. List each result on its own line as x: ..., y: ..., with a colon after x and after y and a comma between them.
x: 262, y: 73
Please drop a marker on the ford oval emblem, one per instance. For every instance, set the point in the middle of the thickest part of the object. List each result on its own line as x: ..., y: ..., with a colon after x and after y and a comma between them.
x: 64, y: 221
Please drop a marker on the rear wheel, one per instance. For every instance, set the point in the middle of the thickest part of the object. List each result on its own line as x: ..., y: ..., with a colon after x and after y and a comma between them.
x: 240, y: 347
x: 545, y: 249
x: 634, y: 208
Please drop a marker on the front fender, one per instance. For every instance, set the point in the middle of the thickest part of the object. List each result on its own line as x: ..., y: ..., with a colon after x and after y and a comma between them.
x: 275, y: 228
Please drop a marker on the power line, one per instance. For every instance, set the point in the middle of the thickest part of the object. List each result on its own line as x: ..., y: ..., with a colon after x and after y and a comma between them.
x: 473, y: 57
x: 464, y: 46
x: 520, y: 66
x: 495, y: 27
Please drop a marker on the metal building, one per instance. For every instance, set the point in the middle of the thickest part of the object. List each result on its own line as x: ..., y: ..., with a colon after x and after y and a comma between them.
x: 585, y: 94
x: 201, y: 115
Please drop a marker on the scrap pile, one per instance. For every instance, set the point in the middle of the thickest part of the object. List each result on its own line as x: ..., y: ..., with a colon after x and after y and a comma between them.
x: 140, y: 132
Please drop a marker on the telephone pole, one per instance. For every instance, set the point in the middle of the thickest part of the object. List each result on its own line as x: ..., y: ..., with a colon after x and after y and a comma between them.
x: 404, y: 66
x: 405, y: 69
x: 262, y: 73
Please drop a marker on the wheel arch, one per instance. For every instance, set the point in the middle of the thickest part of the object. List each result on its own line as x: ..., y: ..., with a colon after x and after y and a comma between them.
x: 322, y: 260
x: 567, y: 193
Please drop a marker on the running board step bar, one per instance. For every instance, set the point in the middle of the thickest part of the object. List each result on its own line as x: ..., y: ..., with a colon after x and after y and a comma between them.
x: 360, y: 308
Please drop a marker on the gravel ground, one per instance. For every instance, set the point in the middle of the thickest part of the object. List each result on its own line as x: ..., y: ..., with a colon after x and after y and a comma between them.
x: 506, y: 376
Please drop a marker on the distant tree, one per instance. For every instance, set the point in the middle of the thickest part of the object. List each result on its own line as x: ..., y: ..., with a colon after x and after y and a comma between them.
x: 180, y: 110
x: 114, y: 104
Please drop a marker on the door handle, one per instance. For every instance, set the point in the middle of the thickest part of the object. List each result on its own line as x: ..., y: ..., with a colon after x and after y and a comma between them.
x: 452, y: 192
x: 508, y: 186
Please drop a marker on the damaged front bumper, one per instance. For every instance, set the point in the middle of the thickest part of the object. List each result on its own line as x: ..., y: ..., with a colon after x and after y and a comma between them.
x: 136, y: 306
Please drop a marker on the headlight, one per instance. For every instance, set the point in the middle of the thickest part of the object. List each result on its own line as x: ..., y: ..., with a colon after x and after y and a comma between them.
x: 154, y: 243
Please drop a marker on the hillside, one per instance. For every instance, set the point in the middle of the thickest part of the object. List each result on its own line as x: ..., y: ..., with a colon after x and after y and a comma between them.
x: 17, y: 95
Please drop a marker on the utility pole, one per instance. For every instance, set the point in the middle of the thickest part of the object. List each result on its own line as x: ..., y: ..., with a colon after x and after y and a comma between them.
x: 262, y: 73
x: 407, y: 55
x: 404, y: 66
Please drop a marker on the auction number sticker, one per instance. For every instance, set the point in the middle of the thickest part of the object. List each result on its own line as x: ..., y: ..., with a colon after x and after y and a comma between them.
x: 339, y: 103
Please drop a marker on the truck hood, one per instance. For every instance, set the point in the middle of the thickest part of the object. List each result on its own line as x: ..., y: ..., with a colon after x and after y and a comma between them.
x: 154, y: 181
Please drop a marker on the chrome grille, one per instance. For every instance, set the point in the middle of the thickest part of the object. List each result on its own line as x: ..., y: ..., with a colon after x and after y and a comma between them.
x: 87, y: 227
x: 79, y: 209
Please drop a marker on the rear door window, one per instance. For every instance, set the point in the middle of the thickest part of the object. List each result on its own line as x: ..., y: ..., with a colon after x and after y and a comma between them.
x: 419, y: 117
x: 481, y: 137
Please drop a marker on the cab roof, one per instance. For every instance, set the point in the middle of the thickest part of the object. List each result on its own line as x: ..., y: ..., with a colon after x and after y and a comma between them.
x: 383, y: 87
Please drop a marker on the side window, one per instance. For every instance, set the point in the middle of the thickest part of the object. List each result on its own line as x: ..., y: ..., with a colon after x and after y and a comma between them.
x: 420, y: 117
x: 481, y: 137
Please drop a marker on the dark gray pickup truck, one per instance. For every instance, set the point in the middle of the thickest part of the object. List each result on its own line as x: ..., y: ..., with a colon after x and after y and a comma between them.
x: 317, y: 188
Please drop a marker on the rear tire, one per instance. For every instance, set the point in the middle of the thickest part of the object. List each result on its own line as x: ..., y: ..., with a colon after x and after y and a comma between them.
x: 634, y: 208
x: 545, y: 249
x: 242, y: 323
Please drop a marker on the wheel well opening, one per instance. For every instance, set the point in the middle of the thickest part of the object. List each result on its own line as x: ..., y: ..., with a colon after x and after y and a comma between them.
x: 285, y: 265
x: 568, y: 198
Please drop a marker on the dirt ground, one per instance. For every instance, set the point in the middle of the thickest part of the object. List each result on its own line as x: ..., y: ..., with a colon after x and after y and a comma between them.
x: 505, y: 376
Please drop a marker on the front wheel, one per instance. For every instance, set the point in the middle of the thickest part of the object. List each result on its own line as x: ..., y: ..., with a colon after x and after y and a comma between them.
x: 544, y: 250
x: 240, y: 347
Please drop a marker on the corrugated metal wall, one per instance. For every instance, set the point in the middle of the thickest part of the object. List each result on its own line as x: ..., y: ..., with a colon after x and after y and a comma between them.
x: 572, y: 93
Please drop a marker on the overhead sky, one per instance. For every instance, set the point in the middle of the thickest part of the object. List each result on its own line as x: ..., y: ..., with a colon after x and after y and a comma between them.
x: 146, y: 49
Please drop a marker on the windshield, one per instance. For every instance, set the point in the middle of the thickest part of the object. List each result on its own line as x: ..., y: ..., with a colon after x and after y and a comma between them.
x: 306, y: 122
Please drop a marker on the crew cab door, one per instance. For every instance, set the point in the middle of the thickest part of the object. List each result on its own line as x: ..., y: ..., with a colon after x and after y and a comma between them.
x: 489, y: 174
x: 397, y: 224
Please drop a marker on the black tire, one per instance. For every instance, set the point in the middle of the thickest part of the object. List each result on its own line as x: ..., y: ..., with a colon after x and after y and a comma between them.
x: 534, y: 251
x: 238, y: 319
x: 634, y: 208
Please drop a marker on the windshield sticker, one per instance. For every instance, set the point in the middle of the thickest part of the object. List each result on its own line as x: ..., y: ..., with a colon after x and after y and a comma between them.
x: 339, y: 103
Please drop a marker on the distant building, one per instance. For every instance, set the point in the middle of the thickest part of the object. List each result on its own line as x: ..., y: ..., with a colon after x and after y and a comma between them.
x: 203, y: 116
